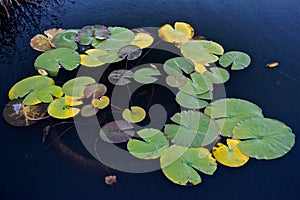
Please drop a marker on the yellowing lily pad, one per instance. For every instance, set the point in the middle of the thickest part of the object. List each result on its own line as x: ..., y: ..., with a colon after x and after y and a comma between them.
x: 40, y: 43
x: 60, y: 109
x: 136, y: 114
x: 182, y: 33
x: 101, y: 103
x: 76, y: 86
x: 230, y: 155
x: 142, y: 40
x: 73, y: 101
x: 46, y: 94
x: 91, y: 58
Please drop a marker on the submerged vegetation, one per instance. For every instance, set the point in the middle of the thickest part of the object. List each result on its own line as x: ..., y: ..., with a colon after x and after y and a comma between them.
x: 191, y: 140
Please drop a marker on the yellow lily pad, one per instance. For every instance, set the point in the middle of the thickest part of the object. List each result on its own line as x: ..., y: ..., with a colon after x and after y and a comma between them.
x: 73, y: 101
x: 230, y: 155
x: 142, y: 40
x: 91, y: 58
x: 60, y: 109
x: 136, y: 114
x: 182, y: 33
x: 101, y: 103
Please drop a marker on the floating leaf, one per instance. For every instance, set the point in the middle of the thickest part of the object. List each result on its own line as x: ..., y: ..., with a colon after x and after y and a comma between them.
x: 120, y: 77
x: 117, y: 131
x: 264, y: 138
x: 52, y: 60
x: 196, y: 85
x: 101, y: 103
x: 73, y: 101
x: 217, y: 75
x: 42, y: 72
x: 182, y: 33
x: 199, y: 67
x: 92, y: 58
x: 145, y: 75
x: 153, y: 145
x: 53, y: 32
x: 17, y: 114
x: 179, y: 164
x: 176, y: 80
x: 60, y: 109
x: 230, y: 155
x: 46, y: 93
x: 176, y: 65
x: 194, y: 129
x: 136, y: 114
x: 273, y: 64
x: 142, y: 40
x: 88, y: 34
x: 40, y: 43
x: 229, y: 112
x: 29, y: 86
x: 130, y: 52
x: 207, y: 95
x: 95, y: 89
x: 202, y: 51
x: 88, y: 110
x: 239, y: 60
x: 65, y: 39
x: 76, y: 86
x: 189, y: 101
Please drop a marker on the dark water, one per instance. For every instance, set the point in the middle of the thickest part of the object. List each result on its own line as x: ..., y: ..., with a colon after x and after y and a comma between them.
x: 268, y: 30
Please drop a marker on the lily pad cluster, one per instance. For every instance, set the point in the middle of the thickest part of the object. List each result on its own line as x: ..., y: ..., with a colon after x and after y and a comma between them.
x: 187, y: 146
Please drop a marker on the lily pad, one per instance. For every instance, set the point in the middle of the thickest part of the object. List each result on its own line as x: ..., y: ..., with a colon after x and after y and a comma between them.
x: 53, y: 32
x: 136, y: 114
x: 202, y: 51
x: 18, y: 114
x: 46, y: 93
x: 264, y: 138
x: 130, y: 52
x: 189, y: 101
x: 60, y: 109
x: 207, y: 95
x: 101, y: 103
x: 88, y: 34
x: 217, y: 75
x: 52, y: 60
x: 239, y: 60
x: 176, y: 80
x: 230, y: 155
x: 153, y: 145
x: 182, y: 33
x: 88, y: 110
x: 95, y: 89
x: 76, y: 86
x: 120, y: 77
x: 229, y: 112
x: 92, y: 58
x: 117, y: 131
x: 146, y: 75
x: 65, y: 39
x: 196, y: 85
x: 192, y: 129
x: 29, y: 88
x: 175, y: 66
x: 179, y: 164
x: 142, y: 40
x: 40, y: 43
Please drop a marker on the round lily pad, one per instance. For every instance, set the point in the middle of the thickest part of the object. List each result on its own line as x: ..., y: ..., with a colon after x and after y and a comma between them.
x: 92, y: 58
x: 88, y: 34
x: 88, y: 110
x: 230, y: 155
x: 118, y: 131
x: 120, y: 77
x: 142, y: 40
x: 196, y: 85
x: 189, y: 101
x: 146, y: 75
x: 101, y: 103
x: 176, y: 80
x: 239, y: 60
x: 176, y: 65
x: 182, y: 33
x: 40, y: 43
x: 130, y: 52
x: 76, y: 86
x: 136, y: 114
x: 46, y: 93
x: 53, y: 32
x: 95, y: 89
x: 65, y: 39
x: 61, y: 110
x: 264, y: 138
x: 52, y: 60
x: 152, y: 146
x: 179, y: 164
x: 217, y: 75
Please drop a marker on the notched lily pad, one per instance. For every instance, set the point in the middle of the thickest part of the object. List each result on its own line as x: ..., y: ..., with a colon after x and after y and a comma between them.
x: 120, y: 77
x: 176, y: 80
x: 130, y: 52
x: 46, y: 94
x: 175, y: 66
x: 239, y: 60
x: 134, y: 115
x: 95, y: 90
x: 101, y: 103
x: 189, y: 101
x: 76, y: 86
x: 88, y: 110
x: 146, y: 75
x: 182, y: 33
x: 60, y: 109
x: 142, y: 40
x: 117, y: 131
x: 65, y: 39
x: 196, y: 85
x: 217, y: 75
x: 40, y: 43
x: 88, y: 34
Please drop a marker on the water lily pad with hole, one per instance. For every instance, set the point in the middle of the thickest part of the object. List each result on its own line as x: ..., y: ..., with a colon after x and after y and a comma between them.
x: 189, y: 101
x: 130, y: 52
x: 65, y: 39
x: 120, y: 77
x: 101, y: 103
x: 52, y: 60
x: 95, y: 90
x: 229, y: 112
x: 46, y: 94
x: 40, y: 43
x: 264, y: 138
x: 196, y: 85
x: 179, y: 164
x: 202, y: 51
x: 28, y: 88
x: 18, y: 114
x: 230, y: 155
x: 76, y: 86
x: 88, y: 34
x: 152, y: 146
x: 118, y: 131
x: 142, y: 40
x: 182, y: 33
x: 134, y: 115
x: 146, y: 75
x: 239, y: 60
x: 217, y: 75
x: 60, y: 109
x: 192, y: 129
x: 176, y: 65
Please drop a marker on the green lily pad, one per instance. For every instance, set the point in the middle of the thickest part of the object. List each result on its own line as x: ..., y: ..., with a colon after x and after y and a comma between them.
x: 189, y: 101
x: 28, y: 88
x: 76, y: 86
x: 118, y: 131
x: 60, y: 109
x: 239, y: 60
x: 179, y: 164
x: 193, y: 129
x: 46, y: 93
x: 130, y: 52
x: 52, y: 60
x: 229, y: 112
x: 176, y: 65
x: 176, y: 80
x: 202, y: 51
x: 95, y: 89
x: 136, y: 114
x: 88, y: 34
x: 145, y: 75
x: 196, y: 85
x: 264, y: 138
x: 92, y: 58
x: 65, y: 39
x: 217, y: 75
x: 18, y: 114
x: 153, y: 145
x: 120, y: 77
x: 207, y: 95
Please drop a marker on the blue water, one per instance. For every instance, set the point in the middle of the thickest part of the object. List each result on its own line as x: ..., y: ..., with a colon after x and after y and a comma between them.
x: 268, y: 30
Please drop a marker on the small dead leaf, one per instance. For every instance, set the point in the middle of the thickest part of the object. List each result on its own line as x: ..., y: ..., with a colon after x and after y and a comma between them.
x: 273, y: 64
x: 110, y: 180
